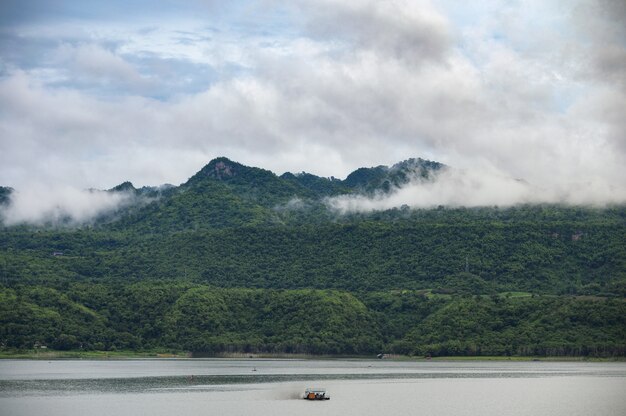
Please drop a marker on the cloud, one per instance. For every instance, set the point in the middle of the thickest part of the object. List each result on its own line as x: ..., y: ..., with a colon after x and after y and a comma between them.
x: 401, y: 29
x: 62, y: 205
x: 529, y: 90
x: 476, y: 188
x: 91, y: 63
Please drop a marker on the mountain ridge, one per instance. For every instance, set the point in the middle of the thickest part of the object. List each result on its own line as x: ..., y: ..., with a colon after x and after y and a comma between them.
x: 225, y: 193
x: 372, y: 178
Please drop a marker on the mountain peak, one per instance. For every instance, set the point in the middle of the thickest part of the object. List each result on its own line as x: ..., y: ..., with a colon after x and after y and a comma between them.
x: 220, y: 168
x: 124, y: 187
x: 224, y: 170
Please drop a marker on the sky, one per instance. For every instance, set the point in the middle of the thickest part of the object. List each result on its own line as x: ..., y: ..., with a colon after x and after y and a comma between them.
x: 95, y: 93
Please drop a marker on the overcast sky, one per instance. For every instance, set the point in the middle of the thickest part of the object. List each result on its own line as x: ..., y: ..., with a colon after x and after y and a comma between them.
x: 93, y: 93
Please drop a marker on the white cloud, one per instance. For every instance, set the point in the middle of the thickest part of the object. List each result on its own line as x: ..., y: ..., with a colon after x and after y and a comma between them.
x: 93, y: 63
x: 401, y: 29
x: 477, y: 188
x: 529, y: 90
x: 42, y: 204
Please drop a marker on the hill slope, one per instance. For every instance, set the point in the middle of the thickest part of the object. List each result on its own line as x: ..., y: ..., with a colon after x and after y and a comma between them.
x: 238, y: 258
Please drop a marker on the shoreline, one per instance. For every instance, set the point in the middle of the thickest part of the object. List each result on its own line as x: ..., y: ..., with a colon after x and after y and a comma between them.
x: 88, y: 355
x: 129, y: 355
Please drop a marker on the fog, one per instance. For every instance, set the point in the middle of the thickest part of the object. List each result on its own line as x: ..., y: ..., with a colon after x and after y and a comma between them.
x: 40, y: 204
x: 478, y: 188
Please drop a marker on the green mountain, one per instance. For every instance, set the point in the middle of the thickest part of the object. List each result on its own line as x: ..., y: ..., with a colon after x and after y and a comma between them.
x: 240, y: 259
x: 384, y: 178
x: 254, y: 184
x: 226, y: 194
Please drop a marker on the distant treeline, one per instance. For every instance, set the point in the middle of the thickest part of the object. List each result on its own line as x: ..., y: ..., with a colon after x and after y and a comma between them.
x: 194, y: 317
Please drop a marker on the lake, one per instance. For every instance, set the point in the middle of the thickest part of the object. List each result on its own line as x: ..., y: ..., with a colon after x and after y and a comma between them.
x: 274, y: 387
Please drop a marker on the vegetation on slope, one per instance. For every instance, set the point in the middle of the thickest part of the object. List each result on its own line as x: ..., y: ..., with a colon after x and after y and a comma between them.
x: 201, y: 318
x: 239, y: 259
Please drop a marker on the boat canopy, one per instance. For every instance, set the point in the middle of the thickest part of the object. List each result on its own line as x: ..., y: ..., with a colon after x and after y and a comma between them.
x: 315, y: 390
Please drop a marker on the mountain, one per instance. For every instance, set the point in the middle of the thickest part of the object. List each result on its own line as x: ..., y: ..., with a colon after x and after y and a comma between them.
x: 267, y: 188
x: 254, y: 184
x: 222, y: 194
x: 240, y: 259
x: 226, y: 194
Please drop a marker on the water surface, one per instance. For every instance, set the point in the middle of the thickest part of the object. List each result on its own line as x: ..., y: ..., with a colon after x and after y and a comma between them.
x: 274, y: 387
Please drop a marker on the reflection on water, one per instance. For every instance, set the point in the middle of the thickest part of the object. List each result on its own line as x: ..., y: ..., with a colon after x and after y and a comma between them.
x: 268, y: 387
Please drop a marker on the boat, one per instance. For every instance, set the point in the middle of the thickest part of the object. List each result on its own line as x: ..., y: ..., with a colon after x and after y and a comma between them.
x: 316, y: 394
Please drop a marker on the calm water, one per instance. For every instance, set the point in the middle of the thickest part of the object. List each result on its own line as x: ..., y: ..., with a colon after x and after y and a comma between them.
x: 274, y: 387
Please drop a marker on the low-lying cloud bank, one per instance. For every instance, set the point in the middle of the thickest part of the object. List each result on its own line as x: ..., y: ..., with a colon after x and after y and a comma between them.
x: 56, y: 206
x: 476, y: 188
x: 43, y: 205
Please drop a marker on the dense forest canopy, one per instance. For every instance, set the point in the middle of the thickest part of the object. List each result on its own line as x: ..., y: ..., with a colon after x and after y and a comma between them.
x: 240, y: 259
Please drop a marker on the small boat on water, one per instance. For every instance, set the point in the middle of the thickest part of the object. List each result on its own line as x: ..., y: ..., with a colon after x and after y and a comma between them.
x: 316, y: 394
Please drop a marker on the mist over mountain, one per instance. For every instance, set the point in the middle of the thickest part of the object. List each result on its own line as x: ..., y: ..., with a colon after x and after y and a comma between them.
x: 221, y: 188
x: 415, y: 258
x: 40, y: 205
x: 227, y: 193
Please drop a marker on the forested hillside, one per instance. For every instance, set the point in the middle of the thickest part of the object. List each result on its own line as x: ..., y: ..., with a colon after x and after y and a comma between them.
x: 240, y: 259
x: 193, y: 317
